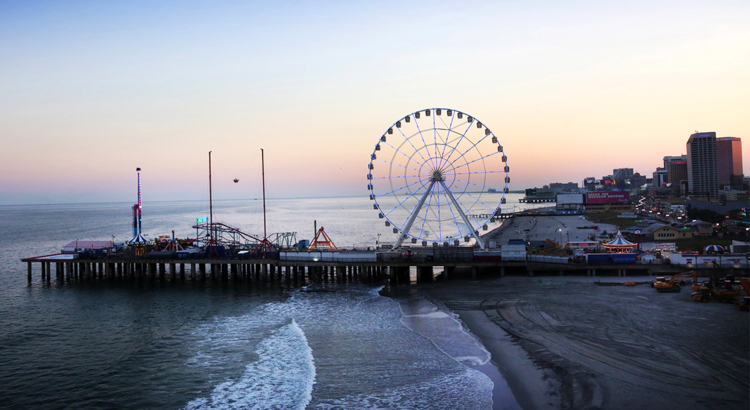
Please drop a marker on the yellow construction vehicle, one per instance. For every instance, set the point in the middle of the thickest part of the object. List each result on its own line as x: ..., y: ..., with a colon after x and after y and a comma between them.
x: 744, y: 303
x: 705, y: 293
x: 672, y: 284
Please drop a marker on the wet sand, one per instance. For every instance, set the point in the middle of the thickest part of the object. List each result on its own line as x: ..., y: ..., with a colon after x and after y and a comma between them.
x: 565, y: 343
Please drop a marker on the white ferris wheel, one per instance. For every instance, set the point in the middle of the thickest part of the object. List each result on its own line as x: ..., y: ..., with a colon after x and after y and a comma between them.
x: 438, y: 175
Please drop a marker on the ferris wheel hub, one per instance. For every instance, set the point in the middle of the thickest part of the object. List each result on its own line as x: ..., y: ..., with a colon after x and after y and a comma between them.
x: 437, y: 176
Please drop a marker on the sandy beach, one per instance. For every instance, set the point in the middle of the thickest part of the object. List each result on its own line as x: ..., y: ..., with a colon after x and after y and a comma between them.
x: 566, y: 343
x: 559, y: 228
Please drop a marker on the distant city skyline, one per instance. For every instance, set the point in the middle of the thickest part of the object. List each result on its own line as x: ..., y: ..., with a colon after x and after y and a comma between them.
x: 90, y: 91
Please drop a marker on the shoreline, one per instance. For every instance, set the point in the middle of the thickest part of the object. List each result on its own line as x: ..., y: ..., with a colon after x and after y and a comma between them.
x: 532, y: 388
x: 518, y: 383
x: 598, y: 347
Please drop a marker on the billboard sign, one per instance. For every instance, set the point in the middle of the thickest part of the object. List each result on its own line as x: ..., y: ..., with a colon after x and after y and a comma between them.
x: 665, y: 246
x: 569, y: 199
x: 607, y: 197
x: 607, y: 181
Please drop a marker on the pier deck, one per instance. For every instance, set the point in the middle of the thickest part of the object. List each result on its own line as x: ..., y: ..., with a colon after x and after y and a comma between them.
x: 66, y: 268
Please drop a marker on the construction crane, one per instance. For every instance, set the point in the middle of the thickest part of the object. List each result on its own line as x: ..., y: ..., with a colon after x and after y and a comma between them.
x: 705, y: 293
x: 672, y: 284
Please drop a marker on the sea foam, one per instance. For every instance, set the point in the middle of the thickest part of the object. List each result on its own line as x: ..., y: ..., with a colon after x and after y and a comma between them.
x: 444, y: 329
x: 281, y: 378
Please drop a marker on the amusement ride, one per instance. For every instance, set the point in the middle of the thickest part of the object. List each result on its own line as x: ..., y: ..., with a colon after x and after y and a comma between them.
x: 430, y: 173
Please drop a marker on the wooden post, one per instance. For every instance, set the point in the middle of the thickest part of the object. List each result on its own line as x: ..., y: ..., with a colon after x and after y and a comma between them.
x: 28, y: 265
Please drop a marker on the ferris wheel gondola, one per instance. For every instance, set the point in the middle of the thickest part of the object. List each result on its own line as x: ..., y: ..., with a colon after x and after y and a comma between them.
x: 430, y: 176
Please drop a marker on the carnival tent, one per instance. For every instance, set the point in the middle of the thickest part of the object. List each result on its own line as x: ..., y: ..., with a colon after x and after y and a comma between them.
x: 138, y: 239
x: 620, y: 244
x: 714, y: 249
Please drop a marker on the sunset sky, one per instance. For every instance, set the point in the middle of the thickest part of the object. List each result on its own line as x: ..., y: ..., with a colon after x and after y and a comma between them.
x: 91, y: 90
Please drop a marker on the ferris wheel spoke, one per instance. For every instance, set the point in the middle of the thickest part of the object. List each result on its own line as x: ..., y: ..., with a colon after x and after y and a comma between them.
x: 479, y: 159
x: 459, y: 205
x: 412, y: 144
x: 432, y: 160
x: 424, y: 218
x: 398, y: 189
x: 396, y: 164
x: 447, y: 135
x: 411, y: 195
x: 435, y: 135
x: 413, y: 215
x: 472, y: 196
x: 410, y: 157
x: 475, y: 172
x: 401, y: 177
x: 468, y: 150
x: 421, y: 228
x: 453, y: 214
x: 440, y: 225
x: 446, y: 159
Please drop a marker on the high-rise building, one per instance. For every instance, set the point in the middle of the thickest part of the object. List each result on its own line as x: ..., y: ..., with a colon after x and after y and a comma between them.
x: 660, y: 178
x: 729, y: 160
x: 676, y: 167
x: 671, y: 158
x: 701, y: 164
x: 638, y: 180
x: 622, y: 173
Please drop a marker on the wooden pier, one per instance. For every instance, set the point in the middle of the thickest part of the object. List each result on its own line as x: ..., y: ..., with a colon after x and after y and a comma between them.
x: 238, y: 271
x: 299, y: 273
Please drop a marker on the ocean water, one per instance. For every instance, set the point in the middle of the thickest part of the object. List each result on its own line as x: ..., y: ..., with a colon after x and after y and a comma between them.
x: 213, y: 346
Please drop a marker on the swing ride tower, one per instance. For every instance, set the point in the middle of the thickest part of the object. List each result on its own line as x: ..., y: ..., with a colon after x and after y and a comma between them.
x: 137, y: 215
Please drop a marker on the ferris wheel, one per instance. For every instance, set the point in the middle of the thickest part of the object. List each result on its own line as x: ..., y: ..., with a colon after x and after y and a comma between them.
x: 438, y: 175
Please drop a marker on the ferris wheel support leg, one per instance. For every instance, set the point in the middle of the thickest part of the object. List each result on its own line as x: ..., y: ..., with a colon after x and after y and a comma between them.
x: 463, y: 215
x: 413, y: 217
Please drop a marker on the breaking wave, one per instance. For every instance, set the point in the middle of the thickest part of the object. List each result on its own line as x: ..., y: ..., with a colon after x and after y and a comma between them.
x: 281, y: 378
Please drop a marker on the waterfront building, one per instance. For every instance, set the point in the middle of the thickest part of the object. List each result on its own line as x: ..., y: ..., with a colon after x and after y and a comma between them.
x: 729, y: 161
x: 564, y: 187
x: 701, y: 164
x: 589, y: 184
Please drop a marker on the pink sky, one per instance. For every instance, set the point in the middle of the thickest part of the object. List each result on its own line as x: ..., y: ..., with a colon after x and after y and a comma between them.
x: 90, y: 92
